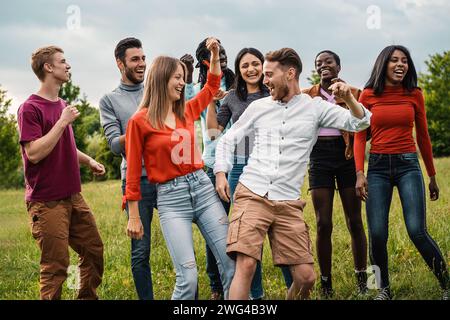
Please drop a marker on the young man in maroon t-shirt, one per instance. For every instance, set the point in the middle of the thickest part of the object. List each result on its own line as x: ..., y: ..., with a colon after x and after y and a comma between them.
x: 59, y: 215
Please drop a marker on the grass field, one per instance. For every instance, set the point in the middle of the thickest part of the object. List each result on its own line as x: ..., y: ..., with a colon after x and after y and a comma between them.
x: 19, y: 255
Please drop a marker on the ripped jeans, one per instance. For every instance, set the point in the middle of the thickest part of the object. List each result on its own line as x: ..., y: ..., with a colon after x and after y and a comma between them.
x: 192, y: 199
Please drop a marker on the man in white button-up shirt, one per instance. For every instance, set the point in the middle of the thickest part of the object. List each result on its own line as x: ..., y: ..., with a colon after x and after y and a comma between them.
x: 286, y: 127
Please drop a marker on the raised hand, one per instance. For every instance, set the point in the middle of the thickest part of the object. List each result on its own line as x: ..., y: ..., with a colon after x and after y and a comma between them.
x: 69, y: 114
x: 212, y: 44
x: 341, y: 90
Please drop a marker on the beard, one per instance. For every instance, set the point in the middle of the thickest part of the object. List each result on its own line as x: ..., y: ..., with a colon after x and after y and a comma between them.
x: 281, y: 92
x: 130, y: 76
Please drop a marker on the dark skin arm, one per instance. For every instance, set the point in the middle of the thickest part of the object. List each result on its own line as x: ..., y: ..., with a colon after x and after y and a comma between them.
x: 434, y: 189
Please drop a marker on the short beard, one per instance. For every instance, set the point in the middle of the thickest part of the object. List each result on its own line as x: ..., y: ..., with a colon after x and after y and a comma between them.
x: 283, y: 91
x: 130, y: 76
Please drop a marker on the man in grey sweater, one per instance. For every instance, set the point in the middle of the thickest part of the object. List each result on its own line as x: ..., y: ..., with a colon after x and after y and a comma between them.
x: 116, y: 108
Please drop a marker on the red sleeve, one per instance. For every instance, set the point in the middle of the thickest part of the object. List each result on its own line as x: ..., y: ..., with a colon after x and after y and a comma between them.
x: 422, y: 136
x: 196, y: 105
x: 134, y: 146
x: 30, y: 127
x: 359, y: 143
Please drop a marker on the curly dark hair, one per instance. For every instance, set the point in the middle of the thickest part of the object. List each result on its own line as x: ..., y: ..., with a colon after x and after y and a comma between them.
x: 202, y: 53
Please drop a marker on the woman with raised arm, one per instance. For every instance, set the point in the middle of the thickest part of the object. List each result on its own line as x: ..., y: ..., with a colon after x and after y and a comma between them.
x: 162, y: 133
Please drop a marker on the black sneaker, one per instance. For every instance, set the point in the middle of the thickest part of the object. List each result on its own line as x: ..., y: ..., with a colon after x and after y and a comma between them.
x: 326, y: 288
x: 384, y: 294
x: 445, y: 294
x: 361, y: 283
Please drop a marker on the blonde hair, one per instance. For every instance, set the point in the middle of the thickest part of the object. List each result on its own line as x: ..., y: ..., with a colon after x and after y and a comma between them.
x: 42, y: 56
x: 156, y: 95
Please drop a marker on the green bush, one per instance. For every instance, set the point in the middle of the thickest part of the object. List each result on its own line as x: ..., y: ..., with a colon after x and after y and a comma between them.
x: 11, y: 172
x: 436, y: 89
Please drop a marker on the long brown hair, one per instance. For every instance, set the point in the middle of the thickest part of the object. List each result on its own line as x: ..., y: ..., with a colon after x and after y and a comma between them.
x: 156, y: 95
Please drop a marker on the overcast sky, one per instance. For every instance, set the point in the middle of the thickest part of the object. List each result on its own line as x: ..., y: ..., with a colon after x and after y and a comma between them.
x: 88, y: 31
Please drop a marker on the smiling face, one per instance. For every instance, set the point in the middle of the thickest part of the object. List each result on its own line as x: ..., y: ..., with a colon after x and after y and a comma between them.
x: 59, y: 67
x: 133, y: 67
x: 275, y: 78
x: 396, y: 68
x: 176, y: 84
x: 327, y: 67
x: 250, y: 68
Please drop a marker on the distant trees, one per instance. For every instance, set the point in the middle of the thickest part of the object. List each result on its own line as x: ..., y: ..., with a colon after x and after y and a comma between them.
x: 90, y: 139
x: 11, y: 173
x: 89, y: 135
x: 88, y: 132
x: 436, y: 88
x: 314, y: 78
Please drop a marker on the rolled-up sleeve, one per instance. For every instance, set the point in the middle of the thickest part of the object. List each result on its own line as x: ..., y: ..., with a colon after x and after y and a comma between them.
x: 333, y: 116
x: 111, y: 126
x: 134, y: 146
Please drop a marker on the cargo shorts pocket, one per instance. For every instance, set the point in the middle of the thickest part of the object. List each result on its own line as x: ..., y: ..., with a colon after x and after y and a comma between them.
x: 306, y: 238
x: 234, y: 226
x: 35, y: 212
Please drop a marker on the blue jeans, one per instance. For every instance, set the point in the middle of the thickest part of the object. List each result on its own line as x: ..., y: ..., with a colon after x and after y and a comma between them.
x: 192, y: 199
x: 403, y: 171
x: 256, y: 290
x: 211, y: 265
x: 140, y: 249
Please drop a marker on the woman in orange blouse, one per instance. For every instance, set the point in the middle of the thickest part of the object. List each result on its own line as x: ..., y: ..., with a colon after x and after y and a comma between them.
x: 162, y: 133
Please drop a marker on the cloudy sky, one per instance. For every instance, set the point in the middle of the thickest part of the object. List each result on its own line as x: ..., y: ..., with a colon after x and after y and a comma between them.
x: 89, y: 30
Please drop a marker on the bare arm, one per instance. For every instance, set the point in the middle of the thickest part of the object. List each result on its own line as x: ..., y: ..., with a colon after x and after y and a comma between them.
x: 213, y: 47
x: 135, y: 230
x: 214, y: 129
x: 122, y: 140
x: 343, y: 91
x: 39, y: 149
x: 97, y: 168
x: 200, y: 102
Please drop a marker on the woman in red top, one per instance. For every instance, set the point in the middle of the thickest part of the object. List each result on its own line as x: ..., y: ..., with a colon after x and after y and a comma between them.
x: 162, y: 133
x: 397, y: 104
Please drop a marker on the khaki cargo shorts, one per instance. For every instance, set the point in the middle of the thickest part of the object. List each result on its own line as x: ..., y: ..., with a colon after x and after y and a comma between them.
x: 254, y: 216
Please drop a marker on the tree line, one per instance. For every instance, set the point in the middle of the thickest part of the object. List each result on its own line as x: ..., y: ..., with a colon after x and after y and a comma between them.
x: 91, y: 140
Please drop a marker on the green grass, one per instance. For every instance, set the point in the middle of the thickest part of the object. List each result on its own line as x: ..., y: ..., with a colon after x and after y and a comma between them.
x: 19, y: 254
